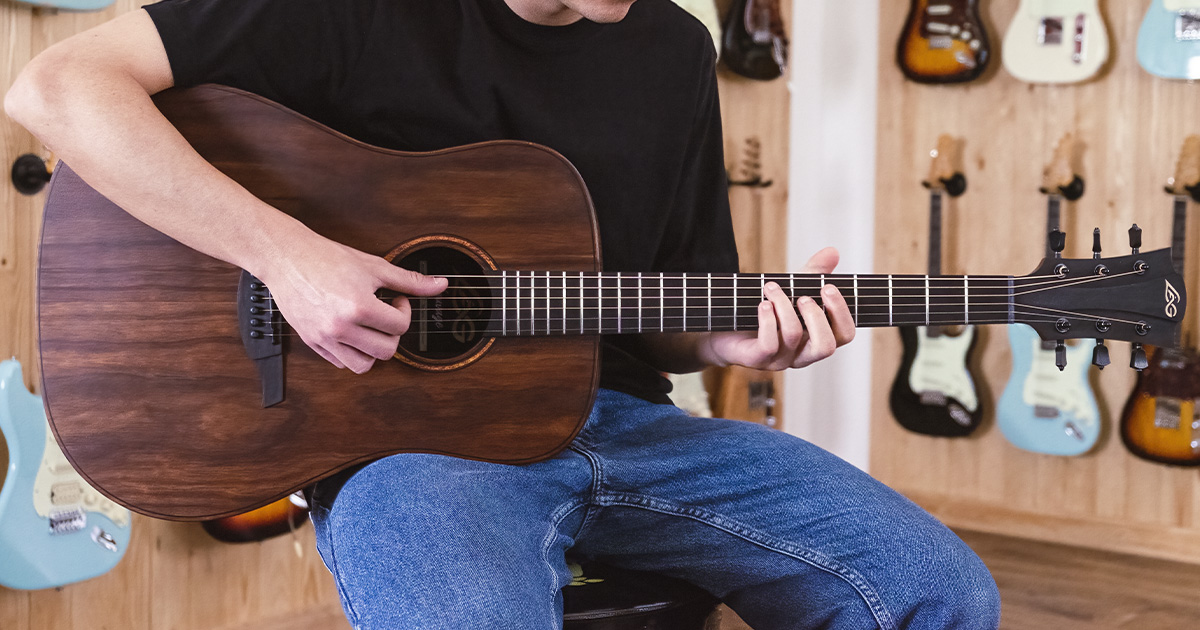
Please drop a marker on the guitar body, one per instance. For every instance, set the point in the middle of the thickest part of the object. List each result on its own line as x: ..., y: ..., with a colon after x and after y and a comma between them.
x: 943, y: 41
x: 54, y: 530
x: 268, y: 521
x: 1168, y: 43
x: 146, y: 373
x: 934, y: 392
x: 1161, y: 422
x: 1045, y: 410
x: 754, y: 43
x: 1056, y: 41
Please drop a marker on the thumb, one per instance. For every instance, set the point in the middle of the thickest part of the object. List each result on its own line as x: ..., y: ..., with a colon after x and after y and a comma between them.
x: 821, y: 262
x: 410, y: 282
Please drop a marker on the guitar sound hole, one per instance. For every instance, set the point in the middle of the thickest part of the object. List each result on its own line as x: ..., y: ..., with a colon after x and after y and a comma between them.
x: 450, y: 329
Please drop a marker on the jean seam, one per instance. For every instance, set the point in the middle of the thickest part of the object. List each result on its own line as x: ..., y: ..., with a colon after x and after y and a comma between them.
x: 351, y: 613
x: 596, y: 487
x: 870, y: 597
x: 556, y: 519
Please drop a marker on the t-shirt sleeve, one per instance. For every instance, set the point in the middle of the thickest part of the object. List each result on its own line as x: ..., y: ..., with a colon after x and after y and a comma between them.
x: 702, y: 238
x: 296, y: 52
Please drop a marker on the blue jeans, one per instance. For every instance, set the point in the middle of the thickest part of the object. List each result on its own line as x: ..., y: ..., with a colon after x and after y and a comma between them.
x: 786, y: 534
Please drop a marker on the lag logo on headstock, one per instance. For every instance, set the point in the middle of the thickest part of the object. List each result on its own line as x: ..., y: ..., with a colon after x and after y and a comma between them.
x: 1172, y: 300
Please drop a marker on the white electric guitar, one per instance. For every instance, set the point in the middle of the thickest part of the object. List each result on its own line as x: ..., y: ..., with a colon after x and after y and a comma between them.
x: 1056, y: 41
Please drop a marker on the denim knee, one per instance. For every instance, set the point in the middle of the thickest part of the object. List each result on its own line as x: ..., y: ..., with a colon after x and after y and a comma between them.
x: 961, y: 594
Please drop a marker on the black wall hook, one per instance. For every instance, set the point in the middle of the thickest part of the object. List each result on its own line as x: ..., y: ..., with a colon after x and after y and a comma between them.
x: 30, y: 174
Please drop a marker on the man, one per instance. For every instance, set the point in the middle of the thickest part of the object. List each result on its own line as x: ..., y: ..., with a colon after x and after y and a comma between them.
x: 786, y: 534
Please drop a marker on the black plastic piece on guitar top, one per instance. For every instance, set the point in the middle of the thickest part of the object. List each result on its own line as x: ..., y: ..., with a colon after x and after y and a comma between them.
x: 1058, y: 242
x: 955, y: 185
x: 1074, y: 190
x: 1060, y: 355
x: 1100, y: 354
x: 1137, y: 358
x: 1135, y: 238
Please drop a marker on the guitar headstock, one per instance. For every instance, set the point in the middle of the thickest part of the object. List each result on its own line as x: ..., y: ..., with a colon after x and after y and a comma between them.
x: 1187, y: 170
x: 1138, y: 298
x: 943, y: 173
x: 1059, y: 176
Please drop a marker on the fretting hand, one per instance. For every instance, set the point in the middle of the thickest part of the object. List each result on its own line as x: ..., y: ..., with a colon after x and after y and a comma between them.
x: 782, y: 340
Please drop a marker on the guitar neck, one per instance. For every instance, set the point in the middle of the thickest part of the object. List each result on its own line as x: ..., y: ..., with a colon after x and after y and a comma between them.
x: 1179, y: 232
x: 537, y: 303
x: 935, y: 232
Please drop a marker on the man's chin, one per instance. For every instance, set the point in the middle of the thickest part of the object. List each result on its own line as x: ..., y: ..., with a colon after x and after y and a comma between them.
x: 603, y: 11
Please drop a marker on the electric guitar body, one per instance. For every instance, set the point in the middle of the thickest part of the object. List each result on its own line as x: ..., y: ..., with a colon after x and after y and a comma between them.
x: 1056, y: 41
x: 67, y: 5
x: 1168, y: 43
x: 1044, y: 409
x: 934, y: 391
x: 54, y: 529
x: 943, y: 41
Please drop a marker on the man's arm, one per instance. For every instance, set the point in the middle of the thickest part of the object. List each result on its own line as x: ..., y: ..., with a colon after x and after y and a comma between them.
x: 88, y: 99
x: 781, y: 341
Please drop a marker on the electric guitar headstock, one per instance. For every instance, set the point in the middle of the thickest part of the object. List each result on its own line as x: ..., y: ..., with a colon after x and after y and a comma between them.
x: 943, y: 173
x: 1187, y: 170
x: 1060, y: 176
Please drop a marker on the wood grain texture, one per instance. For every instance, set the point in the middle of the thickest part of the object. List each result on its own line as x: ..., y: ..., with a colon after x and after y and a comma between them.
x: 1131, y: 126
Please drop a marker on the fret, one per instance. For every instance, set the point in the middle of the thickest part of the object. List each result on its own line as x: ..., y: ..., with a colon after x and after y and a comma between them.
x: 639, y: 302
x: 966, y: 301
x: 891, y: 302
x: 548, y: 302
x: 582, y: 318
x: 855, y: 311
x: 710, y: 303
x: 683, y: 284
x: 504, y: 303
x: 619, y: 318
x: 819, y: 287
x: 662, y: 302
x: 926, y: 300
x: 565, y: 310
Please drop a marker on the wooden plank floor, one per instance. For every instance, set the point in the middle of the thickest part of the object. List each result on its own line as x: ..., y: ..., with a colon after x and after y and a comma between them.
x: 1046, y: 586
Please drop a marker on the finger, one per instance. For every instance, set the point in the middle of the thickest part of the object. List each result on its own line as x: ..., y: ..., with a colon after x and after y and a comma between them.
x: 353, y: 359
x: 327, y: 356
x: 838, y: 314
x: 391, y: 318
x: 791, y: 332
x: 768, y: 330
x: 823, y: 261
x: 821, y: 342
x: 370, y: 342
x: 410, y: 282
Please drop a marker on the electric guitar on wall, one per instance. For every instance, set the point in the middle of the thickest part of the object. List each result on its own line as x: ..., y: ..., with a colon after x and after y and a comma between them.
x: 943, y: 41
x: 54, y: 528
x: 67, y: 5
x: 754, y: 41
x: 174, y: 387
x: 1056, y: 41
x: 1161, y: 421
x: 934, y: 392
x: 1169, y: 39
x: 268, y: 521
x: 1044, y: 408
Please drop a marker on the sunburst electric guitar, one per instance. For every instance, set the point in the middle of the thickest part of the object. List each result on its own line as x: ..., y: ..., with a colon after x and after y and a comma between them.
x: 1161, y: 421
x: 1056, y: 41
x: 54, y: 528
x: 934, y: 391
x: 1168, y: 43
x: 1048, y: 405
x: 174, y: 388
x: 943, y: 41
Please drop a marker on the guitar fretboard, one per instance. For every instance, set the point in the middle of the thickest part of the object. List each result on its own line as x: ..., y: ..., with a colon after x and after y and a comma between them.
x: 567, y: 303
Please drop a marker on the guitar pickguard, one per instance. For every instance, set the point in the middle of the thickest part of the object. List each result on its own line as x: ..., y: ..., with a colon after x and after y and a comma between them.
x: 59, y: 492
x: 940, y: 366
x: 1048, y: 388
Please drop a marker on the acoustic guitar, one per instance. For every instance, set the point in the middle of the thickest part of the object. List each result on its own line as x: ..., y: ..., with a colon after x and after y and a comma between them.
x: 943, y: 41
x: 1056, y: 41
x: 172, y: 386
x: 934, y: 391
x: 1161, y: 421
x: 1168, y: 43
x: 54, y: 529
x: 1046, y: 408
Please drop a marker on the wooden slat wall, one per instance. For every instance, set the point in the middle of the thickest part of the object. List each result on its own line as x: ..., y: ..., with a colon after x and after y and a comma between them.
x: 173, y: 575
x: 1132, y: 126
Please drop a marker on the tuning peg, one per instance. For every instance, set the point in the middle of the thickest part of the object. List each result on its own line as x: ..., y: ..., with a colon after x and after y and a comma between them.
x: 1135, y: 238
x: 1060, y: 355
x: 1100, y: 354
x: 1096, y: 243
x: 1137, y: 358
x: 1058, y: 242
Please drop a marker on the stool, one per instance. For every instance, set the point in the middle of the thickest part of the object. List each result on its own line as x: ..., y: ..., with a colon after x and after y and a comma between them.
x: 603, y: 597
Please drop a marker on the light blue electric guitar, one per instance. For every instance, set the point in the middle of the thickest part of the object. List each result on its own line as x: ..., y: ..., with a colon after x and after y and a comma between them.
x: 1169, y: 39
x: 54, y: 528
x: 1049, y: 407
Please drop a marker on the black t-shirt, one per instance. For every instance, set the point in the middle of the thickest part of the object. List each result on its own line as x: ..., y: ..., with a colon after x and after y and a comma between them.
x: 633, y: 105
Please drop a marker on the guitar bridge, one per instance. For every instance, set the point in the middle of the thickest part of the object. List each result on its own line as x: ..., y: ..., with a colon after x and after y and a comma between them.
x: 1187, y: 25
x: 261, y: 327
x: 67, y: 521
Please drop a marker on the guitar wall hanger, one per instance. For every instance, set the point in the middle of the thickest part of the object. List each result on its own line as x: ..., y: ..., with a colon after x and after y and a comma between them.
x: 1071, y: 192
x: 30, y: 174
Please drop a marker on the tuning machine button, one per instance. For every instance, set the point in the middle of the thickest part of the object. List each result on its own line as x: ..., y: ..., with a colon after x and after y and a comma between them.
x: 1137, y: 358
x: 1058, y: 242
x: 1060, y: 355
x: 1100, y: 354
x: 1135, y: 238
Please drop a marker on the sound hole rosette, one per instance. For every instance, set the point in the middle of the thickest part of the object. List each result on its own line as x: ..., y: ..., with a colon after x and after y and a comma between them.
x: 449, y: 331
